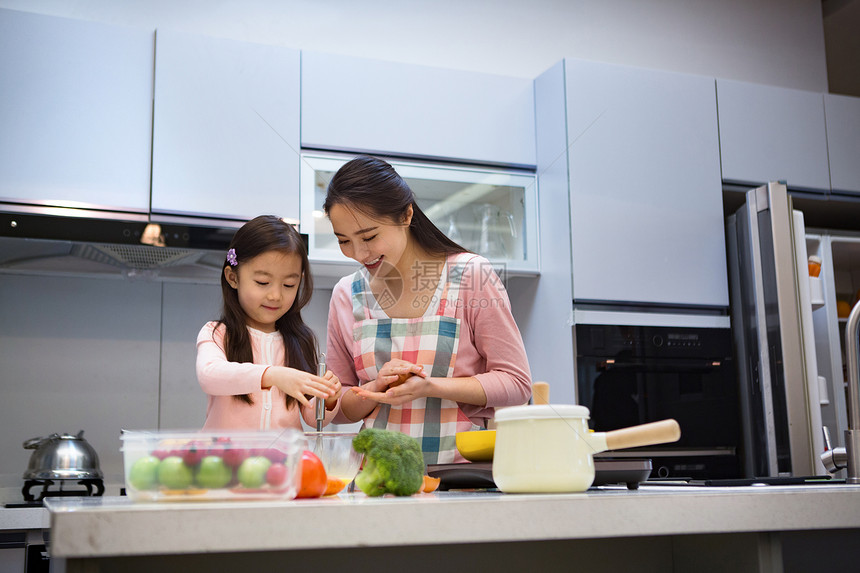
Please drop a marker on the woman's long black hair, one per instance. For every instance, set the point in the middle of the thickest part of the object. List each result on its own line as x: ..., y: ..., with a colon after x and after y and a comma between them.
x: 260, y: 235
x: 372, y: 186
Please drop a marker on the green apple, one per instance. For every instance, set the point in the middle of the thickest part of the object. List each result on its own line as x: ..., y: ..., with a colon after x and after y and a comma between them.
x: 144, y: 473
x: 213, y: 473
x: 252, y: 472
x: 174, y: 474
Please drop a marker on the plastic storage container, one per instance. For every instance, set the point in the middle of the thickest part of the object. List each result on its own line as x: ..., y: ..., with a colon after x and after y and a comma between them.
x: 212, y: 466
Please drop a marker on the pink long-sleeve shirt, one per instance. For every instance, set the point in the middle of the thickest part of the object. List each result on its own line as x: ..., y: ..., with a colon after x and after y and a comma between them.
x: 490, y: 347
x: 222, y: 379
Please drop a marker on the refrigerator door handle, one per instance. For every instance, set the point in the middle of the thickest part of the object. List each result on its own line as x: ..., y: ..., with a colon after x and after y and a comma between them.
x: 801, y: 433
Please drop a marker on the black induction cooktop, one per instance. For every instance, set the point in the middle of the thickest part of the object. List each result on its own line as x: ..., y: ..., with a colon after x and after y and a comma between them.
x: 479, y: 475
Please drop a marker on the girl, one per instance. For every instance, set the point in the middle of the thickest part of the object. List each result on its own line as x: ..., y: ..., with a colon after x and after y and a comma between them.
x: 255, y: 361
x: 423, y: 332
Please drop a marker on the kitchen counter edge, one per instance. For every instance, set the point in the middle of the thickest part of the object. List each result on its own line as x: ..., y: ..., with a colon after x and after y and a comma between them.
x: 99, y: 527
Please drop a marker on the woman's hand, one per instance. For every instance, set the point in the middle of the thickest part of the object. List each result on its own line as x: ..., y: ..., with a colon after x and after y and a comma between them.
x: 396, y: 372
x: 331, y: 401
x: 412, y: 388
x: 464, y: 390
x: 298, y: 384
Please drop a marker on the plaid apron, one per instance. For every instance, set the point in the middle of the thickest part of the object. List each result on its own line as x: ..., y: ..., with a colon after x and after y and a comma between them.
x: 431, y: 341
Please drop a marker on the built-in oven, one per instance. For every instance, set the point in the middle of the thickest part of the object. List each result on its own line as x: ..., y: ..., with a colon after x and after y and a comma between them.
x: 629, y: 375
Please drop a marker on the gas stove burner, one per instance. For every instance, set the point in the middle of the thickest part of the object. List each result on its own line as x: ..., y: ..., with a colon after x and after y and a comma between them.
x: 46, y: 484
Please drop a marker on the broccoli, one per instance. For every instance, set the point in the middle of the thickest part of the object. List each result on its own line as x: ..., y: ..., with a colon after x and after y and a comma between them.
x: 393, y: 462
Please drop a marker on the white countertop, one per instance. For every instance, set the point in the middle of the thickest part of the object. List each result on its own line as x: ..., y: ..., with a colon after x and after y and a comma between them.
x: 84, y: 527
x: 20, y: 518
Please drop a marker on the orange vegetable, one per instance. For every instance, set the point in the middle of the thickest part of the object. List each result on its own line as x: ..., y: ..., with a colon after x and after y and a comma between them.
x: 314, y: 478
x: 334, y: 486
x: 430, y: 484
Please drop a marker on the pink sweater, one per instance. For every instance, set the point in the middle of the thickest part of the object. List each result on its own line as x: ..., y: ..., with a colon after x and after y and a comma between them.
x: 490, y: 349
x: 222, y: 380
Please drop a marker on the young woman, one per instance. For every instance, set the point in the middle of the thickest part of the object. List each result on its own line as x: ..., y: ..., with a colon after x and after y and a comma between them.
x: 256, y: 361
x: 423, y: 333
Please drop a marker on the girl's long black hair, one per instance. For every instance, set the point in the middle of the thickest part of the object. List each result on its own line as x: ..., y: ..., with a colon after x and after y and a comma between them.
x: 260, y: 235
x: 372, y: 186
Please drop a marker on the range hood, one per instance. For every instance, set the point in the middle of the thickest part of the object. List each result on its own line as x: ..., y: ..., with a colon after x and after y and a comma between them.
x: 88, y: 243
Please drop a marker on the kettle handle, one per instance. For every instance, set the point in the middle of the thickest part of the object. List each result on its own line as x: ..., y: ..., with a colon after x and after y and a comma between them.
x: 33, y: 443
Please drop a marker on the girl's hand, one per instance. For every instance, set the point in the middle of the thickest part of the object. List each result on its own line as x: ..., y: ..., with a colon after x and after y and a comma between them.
x: 413, y: 388
x: 297, y: 384
x: 396, y: 372
x: 331, y: 401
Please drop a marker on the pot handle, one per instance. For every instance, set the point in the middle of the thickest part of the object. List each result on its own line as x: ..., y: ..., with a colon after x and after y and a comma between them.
x: 540, y: 393
x: 661, y: 432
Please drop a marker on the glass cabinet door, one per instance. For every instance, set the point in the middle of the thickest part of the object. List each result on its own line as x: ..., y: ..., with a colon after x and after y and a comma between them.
x: 489, y: 212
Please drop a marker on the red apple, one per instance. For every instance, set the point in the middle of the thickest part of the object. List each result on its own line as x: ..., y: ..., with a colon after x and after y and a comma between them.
x: 275, y: 455
x: 160, y: 454
x: 234, y: 457
x: 276, y: 474
x: 193, y: 455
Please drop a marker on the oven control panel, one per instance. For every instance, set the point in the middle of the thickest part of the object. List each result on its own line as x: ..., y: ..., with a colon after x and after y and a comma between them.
x: 656, y: 341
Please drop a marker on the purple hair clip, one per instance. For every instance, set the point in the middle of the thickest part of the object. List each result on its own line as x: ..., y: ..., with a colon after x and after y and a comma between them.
x: 231, y: 257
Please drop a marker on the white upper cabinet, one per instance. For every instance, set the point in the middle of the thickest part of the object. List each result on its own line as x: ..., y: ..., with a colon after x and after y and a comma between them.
x: 75, y: 112
x: 770, y: 133
x: 354, y: 104
x: 843, y: 142
x: 226, y: 128
x: 645, y: 191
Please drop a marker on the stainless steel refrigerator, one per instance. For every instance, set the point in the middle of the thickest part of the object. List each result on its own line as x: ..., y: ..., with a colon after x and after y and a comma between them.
x: 774, y: 338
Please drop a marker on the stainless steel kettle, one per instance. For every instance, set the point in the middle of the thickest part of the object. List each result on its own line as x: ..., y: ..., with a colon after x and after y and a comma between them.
x: 62, y: 456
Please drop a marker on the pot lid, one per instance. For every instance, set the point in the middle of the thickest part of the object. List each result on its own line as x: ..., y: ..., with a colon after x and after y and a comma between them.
x: 541, y: 412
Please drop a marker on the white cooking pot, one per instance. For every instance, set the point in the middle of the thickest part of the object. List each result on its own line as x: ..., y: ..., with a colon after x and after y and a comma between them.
x: 549, y: 448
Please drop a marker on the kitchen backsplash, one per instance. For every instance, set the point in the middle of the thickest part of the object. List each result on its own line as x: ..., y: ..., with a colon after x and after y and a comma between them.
x: 101, y: 355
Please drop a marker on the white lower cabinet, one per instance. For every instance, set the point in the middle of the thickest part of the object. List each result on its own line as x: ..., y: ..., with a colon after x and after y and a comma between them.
x: 226, y: 128
x: 645, y: 192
